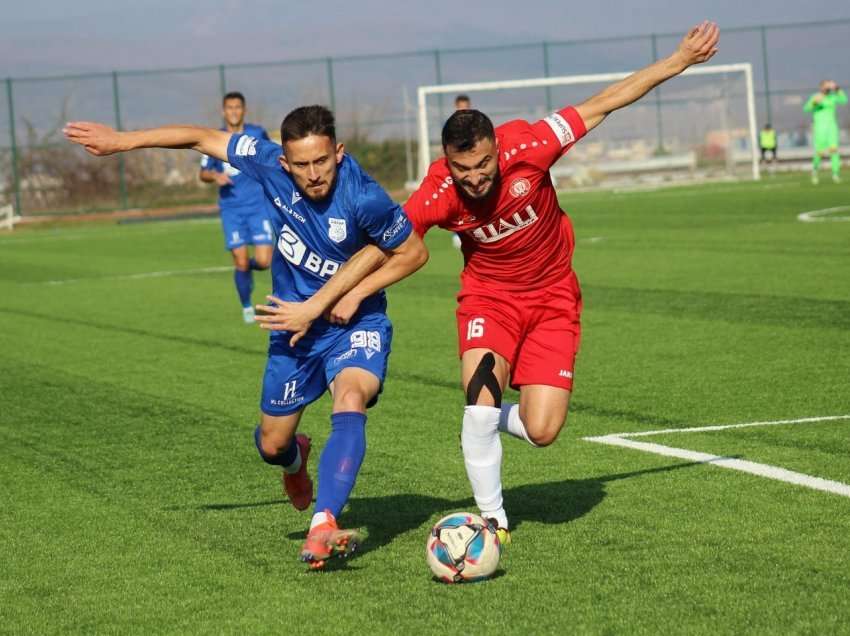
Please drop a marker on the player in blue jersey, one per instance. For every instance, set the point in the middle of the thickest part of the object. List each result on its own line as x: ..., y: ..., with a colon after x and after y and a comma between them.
x: 244, y: 208
x: 328, y: 209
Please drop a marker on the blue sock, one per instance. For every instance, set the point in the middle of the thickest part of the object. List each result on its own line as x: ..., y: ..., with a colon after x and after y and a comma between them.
x: 244, y: 286
x: 340, y: 461
x: 286, y: 457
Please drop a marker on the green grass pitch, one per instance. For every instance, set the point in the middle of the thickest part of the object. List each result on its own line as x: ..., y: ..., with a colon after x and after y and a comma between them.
x: 133, y: 500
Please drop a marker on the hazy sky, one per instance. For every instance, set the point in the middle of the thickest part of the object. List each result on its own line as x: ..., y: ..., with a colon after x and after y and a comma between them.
x: 49, y: 37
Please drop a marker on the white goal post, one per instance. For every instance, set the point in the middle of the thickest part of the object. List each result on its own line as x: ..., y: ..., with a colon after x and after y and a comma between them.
x: 424, y: 149
x: 8, y: 217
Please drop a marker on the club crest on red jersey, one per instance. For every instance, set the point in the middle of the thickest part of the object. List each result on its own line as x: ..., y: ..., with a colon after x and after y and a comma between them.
x: 520, y: 187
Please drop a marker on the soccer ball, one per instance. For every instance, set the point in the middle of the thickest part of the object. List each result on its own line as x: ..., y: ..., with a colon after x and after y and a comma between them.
x: 463, y: 547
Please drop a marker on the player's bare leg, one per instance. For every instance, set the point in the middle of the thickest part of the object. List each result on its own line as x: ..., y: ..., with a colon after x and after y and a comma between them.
x: 262, y: 257
x: 539, y: 416
x: 352, y: 389
x: 485, y: 374
x: 278, y: 444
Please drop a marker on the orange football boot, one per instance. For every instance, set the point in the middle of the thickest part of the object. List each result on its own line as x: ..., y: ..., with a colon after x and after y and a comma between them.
x: 327, y: 540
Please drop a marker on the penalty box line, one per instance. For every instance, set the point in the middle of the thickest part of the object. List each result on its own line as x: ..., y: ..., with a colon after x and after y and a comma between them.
x: 625, y: 440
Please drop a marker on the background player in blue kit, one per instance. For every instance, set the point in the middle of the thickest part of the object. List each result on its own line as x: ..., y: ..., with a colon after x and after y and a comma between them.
x: 244, y: 208
x: 328, y: 209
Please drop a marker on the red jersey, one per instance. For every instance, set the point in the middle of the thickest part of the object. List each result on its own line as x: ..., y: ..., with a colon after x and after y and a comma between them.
x: 518, y: 238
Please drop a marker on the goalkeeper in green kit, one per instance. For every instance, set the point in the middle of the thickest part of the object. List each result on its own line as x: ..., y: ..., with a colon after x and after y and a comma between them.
x: 825, y: 128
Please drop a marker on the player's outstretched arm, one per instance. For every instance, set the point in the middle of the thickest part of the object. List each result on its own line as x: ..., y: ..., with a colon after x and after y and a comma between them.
x: 101, y: 140
x: 698, y: 46
x: 214, y: 176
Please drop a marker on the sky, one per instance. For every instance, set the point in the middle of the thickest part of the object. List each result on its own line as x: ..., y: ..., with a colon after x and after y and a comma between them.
x: 46, y: 37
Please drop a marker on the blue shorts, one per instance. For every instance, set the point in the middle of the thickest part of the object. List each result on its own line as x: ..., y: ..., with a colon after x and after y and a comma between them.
x: 245, y: 226
x: 295, y: 379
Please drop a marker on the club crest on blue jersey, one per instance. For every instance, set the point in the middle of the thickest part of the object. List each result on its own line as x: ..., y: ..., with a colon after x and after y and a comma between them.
x: 336, y: 230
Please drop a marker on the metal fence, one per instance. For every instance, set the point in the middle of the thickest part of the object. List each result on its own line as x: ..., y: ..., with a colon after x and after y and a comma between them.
x: 40, y: 173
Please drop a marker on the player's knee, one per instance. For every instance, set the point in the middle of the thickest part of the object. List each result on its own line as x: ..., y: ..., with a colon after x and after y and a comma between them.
x: 350, y: 399
x: 263, y: 261
x: 543, y: 428
x: 484, y: 377
x: 544, y: 437
x: 271, y: 442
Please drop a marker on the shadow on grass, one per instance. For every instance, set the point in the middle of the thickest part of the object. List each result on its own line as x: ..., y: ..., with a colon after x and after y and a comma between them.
x: 552, y: 503
x: 387, y: 517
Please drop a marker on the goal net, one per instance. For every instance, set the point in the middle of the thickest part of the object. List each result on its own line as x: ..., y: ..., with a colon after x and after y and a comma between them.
x: 698, y: 125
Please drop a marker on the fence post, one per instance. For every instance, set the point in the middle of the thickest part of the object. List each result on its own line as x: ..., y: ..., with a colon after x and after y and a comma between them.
x: 438, y: 71
x: 222, y: 81
x: 766, y: 75
x: 659, y: 124
x: 122, y: 178
x: 16, y: 179
x: 329, y: 64
x: 546, y: 74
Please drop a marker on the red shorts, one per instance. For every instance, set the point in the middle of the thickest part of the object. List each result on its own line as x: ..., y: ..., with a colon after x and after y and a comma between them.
x: 537, y: 333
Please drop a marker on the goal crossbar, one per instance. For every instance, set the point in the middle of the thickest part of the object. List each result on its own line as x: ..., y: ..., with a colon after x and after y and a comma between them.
x: 542, y: 82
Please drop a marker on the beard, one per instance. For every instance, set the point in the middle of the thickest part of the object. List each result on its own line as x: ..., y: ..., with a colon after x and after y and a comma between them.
x: 493, y: 186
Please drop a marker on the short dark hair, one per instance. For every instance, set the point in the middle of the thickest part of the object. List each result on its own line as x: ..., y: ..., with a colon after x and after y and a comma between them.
x: 462, y: 98
x: 233, y: 95
x: 308, y: 120
x: 465, y: 128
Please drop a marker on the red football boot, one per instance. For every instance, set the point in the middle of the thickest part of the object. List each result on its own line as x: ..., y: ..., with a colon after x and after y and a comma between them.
x: 298, y: 486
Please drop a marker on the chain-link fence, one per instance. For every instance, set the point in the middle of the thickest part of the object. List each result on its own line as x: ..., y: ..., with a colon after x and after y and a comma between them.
x: 372, y: 96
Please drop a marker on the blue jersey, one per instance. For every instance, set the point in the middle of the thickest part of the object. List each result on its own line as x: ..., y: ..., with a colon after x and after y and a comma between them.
x: 245, y: 192
x: 315, y: 237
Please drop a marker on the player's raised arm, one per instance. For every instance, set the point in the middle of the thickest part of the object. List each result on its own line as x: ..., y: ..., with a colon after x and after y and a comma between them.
x: 101, y: 140
x: 698, y: 46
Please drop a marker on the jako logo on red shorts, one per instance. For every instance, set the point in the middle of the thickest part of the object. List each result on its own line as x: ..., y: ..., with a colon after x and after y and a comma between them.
x: 520, y: 187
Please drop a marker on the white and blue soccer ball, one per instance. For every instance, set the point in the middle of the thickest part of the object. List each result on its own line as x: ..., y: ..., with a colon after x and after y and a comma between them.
x: 463, y: 547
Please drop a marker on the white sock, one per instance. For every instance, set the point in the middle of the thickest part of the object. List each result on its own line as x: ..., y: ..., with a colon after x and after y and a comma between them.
x: 482, y: 454
x: 318, y: 519
x: 510, y: 423
x: 295, y: 466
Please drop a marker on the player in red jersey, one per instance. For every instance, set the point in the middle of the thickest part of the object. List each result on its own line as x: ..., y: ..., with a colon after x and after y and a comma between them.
x: 520, y: 303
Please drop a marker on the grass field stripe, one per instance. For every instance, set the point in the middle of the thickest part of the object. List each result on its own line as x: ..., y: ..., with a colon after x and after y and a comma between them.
x: 815, y: 216
x: 753, y: 468
x: 151, y: 227
x: 721, y: 427
x: 141, y: 275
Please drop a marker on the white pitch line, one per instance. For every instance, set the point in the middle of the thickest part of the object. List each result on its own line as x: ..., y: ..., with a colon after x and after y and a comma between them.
x: 141, y: 275
x: 819, y: 216
x: 700, y: 429
x: 753, y: 468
